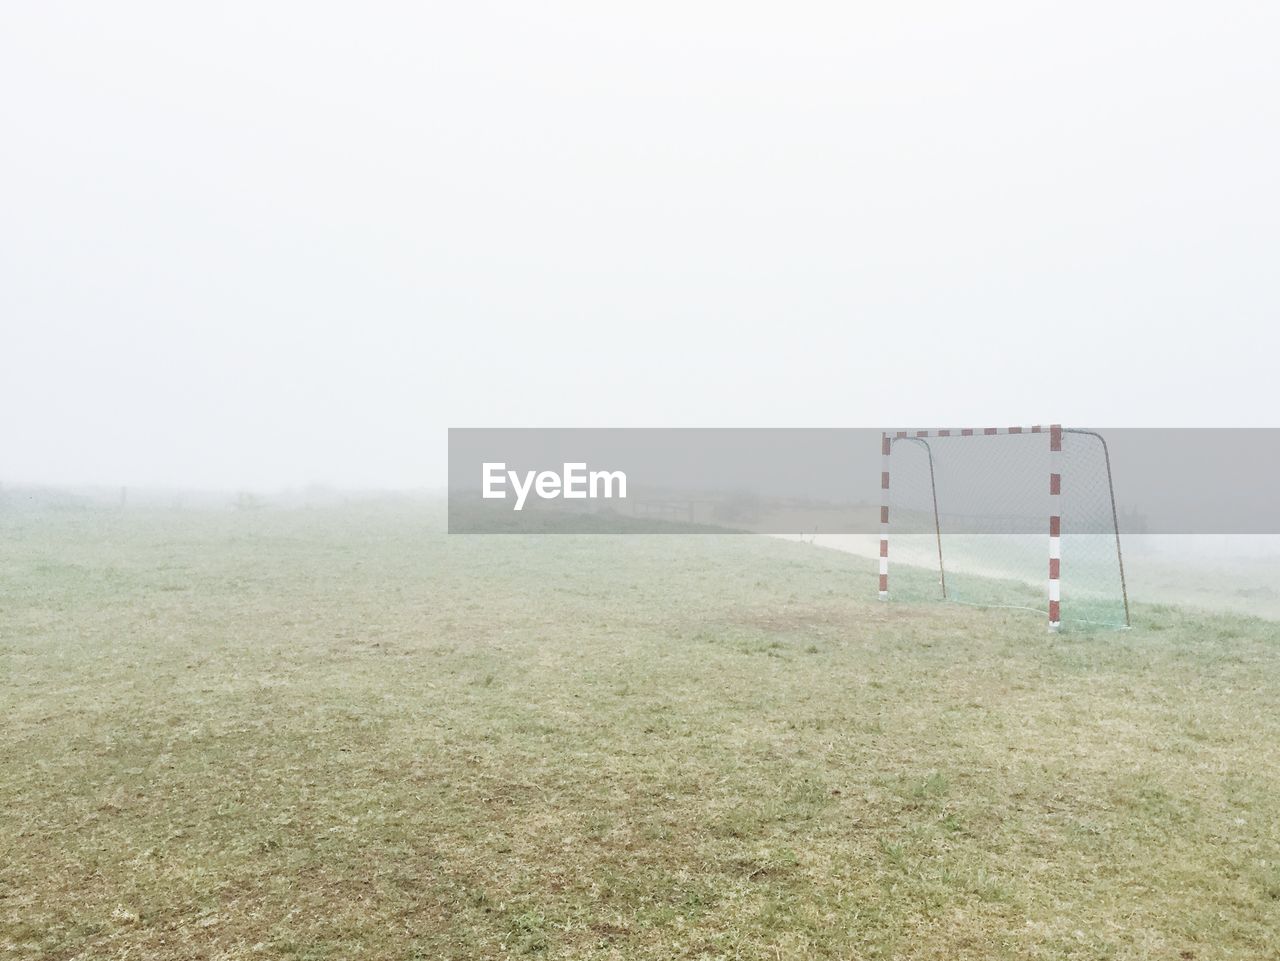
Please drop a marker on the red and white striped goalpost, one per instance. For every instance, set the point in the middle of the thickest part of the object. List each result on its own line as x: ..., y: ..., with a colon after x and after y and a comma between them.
x: 885, y: 446
x: 1055, y: 526
x: 1055, y: 500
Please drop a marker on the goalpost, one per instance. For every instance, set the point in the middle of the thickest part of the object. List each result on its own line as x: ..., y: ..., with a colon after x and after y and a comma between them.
x: 967, y: 511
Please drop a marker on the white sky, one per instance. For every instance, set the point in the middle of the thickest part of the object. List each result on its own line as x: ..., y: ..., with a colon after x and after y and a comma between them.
x: 267, y: 244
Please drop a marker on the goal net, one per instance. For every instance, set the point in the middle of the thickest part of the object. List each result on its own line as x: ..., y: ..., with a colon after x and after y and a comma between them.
x: 1003, y: 517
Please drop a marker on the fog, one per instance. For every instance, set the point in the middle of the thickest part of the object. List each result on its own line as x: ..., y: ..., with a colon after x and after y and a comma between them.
x: 266, y: 246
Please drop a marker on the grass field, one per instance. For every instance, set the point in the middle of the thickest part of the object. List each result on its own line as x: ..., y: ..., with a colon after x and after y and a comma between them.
x: 341, y: 734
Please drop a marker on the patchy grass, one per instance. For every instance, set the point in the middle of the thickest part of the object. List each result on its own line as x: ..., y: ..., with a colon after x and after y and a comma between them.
x: 342, y: 734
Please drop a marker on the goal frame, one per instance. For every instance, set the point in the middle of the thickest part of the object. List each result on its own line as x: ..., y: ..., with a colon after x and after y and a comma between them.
x: 1053, y: 437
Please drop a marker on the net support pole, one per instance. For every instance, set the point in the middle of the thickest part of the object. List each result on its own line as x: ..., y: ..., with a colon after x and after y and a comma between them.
x: 1055, y: 527
x: 885, y: 445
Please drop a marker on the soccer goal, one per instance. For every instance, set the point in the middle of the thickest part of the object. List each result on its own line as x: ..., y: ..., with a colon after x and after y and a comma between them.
x: 966, y: 513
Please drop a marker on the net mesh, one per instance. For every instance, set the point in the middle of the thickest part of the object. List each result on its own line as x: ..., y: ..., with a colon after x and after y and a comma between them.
x: 969, y: 518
